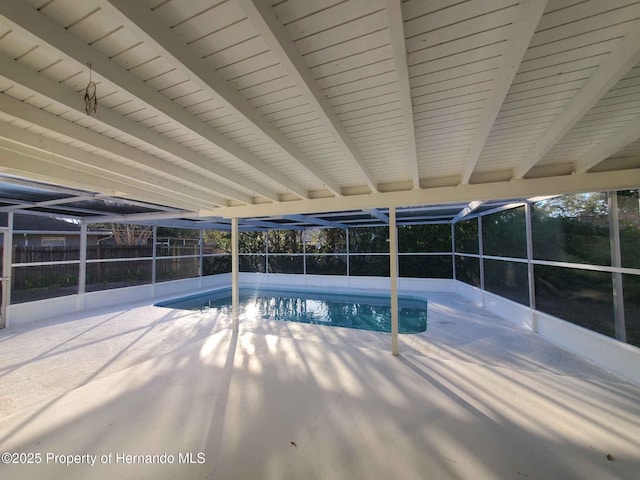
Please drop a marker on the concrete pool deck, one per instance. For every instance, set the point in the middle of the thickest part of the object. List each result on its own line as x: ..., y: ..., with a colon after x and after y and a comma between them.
x: 473, y: 397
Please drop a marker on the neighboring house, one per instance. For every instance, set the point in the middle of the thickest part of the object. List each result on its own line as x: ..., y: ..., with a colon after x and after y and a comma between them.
x: 38, y: 231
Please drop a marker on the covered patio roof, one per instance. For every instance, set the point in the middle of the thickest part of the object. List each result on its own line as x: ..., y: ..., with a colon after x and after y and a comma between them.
x: 208, y: 110
x: 35, y: 198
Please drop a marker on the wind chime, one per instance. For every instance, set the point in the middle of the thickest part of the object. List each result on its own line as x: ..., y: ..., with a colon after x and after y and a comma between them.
x: 90, y: 97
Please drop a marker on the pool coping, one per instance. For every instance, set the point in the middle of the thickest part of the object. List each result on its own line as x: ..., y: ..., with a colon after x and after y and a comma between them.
x: 300, y: 289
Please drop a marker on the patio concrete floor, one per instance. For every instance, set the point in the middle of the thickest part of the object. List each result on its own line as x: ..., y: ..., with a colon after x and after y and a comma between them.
x: 474, y: 397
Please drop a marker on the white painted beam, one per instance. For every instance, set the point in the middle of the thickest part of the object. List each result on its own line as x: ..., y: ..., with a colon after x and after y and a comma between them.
x: 523, y: 188
x: 25, y: 207
x: 521, y: 33
x: 268, y: 225
x: 66, y: 155
x: 181, y: 224
x: 263, y: 17
x: 396, y: 30
x: 54, y: 91
x: 17, y: 160
x: 134, y: 217
x: 259, y: 223
x: 139, y: 19
x: 13, y: 161
x: 427, y: 208
x: 471, y: 207
x: 57, y: 211
x: 48, y: 215
x: 39, y: 117
x: 427, y: 222
x: 19, y: 205
x: 42, y: 186
x: 501, y: 208
x: 314, y: 221
x: 624, y: 56
x: 374, y: 212
x: 628, y: 134
x: 28, y: 21
x: 78, y: 193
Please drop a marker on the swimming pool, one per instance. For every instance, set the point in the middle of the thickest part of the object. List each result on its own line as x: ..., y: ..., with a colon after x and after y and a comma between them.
x: 357, y: 310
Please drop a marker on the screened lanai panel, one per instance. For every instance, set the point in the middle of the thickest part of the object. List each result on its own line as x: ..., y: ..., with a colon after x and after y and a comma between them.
x: 572, y: 228
x: 467, y: 270
x: 110, y: 275
x: 425, y: 266
x: 629, y: 222
x: 424, y: 238
x: 39, y: 282
x: 582, y: 297
x: 507, y: 279
x: 503, y: 233
x: 466, y: 236
x: 631, y: 289
x: 326, y: 264
x: 216, y: 264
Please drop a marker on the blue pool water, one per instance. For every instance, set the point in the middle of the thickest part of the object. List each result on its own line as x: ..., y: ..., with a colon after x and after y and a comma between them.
x: 367, y: 312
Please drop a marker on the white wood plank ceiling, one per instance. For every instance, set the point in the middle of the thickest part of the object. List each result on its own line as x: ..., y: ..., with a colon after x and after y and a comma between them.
x: 249, y: 107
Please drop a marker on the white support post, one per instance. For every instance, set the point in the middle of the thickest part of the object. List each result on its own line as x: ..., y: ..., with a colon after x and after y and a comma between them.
x: 201, y: 258
x: 616, y: 261
x: 453, y: 250
x: 235, y: 289
x: 266, y: 251
x: 82, y: 272
x: 530, y: 272
x: 154, y: 257
x: 304, y: 260
x: 348, y: 257
x: 393, y: 275
x: 7, y: 260
x: 481, y: 254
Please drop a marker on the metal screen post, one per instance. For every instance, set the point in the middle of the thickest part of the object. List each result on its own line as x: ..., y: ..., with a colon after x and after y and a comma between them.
x: 348, y: 256
x: 530, y: 272
x: 200, y: 267
x: 453, y: 250
x: 393, y: 274
x: 235, y: 290
x: 616, y: 261
x: 82, y: 270
x: 7, y: 260
x: 481, y: 255
x: 266, y: 251
x: 154, y: 256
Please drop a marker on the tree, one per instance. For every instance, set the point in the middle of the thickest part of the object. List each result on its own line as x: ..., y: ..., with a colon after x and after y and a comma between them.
x: 217, y: 240
x: 584, y: 205
x: 124, y: 234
